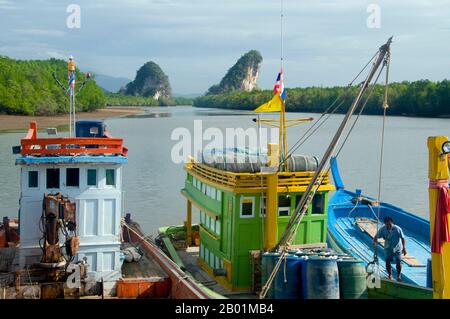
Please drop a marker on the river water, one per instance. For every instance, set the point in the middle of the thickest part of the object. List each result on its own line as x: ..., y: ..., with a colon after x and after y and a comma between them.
x: 152, y: 181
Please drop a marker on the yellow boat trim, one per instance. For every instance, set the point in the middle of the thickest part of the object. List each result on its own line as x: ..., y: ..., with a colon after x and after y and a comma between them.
x: 245, y: 183
x: 220, y: 279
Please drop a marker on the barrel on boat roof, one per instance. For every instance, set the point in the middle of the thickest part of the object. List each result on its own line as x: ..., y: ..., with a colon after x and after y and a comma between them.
x: 352, y: 279
x: 320, y: 278
x: 243, y: 163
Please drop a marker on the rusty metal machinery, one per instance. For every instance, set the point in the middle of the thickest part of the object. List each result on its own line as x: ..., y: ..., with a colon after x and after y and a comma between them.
x: 58, y: 215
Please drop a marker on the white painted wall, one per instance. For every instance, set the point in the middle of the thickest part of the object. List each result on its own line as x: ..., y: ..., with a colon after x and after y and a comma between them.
x: 98, y: 212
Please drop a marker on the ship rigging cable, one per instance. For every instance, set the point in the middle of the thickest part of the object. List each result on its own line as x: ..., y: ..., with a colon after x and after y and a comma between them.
x: 380, y: 172
x: 316, y: 180
x: 327, y: 113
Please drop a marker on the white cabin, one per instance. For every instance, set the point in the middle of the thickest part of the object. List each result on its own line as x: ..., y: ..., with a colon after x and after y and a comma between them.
x: 93, y: 182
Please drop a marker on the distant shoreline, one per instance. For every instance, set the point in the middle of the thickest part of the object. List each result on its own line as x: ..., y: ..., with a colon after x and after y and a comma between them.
x: 20, y: 123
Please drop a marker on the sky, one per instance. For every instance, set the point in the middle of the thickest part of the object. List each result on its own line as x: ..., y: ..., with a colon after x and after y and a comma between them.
x: 195, y: 42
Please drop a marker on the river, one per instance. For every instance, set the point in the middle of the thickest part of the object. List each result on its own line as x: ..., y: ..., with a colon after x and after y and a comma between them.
x: 152, y: 181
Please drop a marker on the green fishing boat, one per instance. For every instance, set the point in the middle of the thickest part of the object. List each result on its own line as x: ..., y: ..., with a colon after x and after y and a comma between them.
x: 250, y: 210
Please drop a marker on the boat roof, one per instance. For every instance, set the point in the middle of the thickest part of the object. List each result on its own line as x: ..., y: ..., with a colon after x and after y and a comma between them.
x: 63, y: 149
x: 83, y: 159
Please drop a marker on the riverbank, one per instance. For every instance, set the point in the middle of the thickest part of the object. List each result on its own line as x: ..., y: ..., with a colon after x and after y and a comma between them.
x: 422, y: 98
x: 17, y: 123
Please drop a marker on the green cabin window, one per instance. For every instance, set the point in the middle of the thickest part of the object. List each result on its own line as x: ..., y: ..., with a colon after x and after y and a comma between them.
x: 284, y: 205
x: 52, y: 177
x: 33, y: 179
x: 297, y: 199
x: 92, y: 177
x: 218, y: 227
x: 73, y: 177
x: 110, y: 177
x: 318, y: 204
x: 247, y: 207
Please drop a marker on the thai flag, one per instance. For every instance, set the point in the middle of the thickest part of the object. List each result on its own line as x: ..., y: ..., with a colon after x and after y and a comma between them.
x: 72, y: 80
x: 279, y: 86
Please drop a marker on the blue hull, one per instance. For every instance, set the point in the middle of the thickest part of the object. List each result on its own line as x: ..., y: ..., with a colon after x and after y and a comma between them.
x: 344, y: 235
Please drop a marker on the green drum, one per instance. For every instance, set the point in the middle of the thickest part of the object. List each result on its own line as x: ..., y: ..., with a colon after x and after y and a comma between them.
x: 352, y: 279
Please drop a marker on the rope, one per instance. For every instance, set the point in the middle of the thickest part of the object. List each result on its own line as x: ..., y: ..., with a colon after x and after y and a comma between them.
x: 325, y: 113
x: 438, y: 183
x: 380, y: 172
x: 359, y: 113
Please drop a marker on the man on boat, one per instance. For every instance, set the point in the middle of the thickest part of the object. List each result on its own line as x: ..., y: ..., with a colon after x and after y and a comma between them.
x: 394, y: 245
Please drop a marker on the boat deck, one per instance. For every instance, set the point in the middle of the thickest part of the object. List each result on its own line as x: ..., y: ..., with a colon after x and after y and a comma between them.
x: 144, y: 278
x: 146, y: 267
x: 189, y: 257
x: 350, y: 237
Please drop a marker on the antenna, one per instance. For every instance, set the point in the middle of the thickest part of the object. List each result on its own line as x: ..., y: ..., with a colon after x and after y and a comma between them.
x: 70, y: 90
x: 281, y: 32
x: 283, y: 133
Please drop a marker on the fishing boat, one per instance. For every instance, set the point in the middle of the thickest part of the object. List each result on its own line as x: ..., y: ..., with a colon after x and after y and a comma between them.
x: 70, y: 240
x: 353, y: 220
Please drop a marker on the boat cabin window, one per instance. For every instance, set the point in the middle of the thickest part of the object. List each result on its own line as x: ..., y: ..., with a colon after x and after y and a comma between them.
x: 33, y: 179
x: 246, y: 207
x: 263, y: 207
x: 284, y: 205
x: 110, y: 177
x: 52, y: 177
x: 218, y: 227
x: 298, y: 197
x: 318, y: 204
x: 92, y: 177
x: 72, y: 177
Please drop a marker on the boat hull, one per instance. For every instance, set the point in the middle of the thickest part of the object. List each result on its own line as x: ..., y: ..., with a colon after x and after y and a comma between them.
x: 182, y: 286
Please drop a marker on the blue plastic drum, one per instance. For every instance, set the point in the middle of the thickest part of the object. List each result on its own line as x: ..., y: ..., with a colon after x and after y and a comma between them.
x: 268, y: 261
x: 320, y: 278
x: 288, y: 278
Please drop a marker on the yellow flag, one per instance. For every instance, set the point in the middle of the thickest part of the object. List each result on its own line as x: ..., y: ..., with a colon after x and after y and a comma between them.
x: 274, y: 105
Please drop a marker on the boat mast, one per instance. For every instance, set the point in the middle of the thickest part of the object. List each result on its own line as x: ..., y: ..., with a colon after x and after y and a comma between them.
x: 319, y: 174
x: 71, y: 78
x: 70, y: 90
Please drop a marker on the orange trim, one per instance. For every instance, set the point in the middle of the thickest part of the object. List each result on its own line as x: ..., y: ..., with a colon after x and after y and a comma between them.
x: 32, y: 131
x: 31, y: 145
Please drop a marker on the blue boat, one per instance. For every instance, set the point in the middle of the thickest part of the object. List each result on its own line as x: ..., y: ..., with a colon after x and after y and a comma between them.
x: 354, y: 218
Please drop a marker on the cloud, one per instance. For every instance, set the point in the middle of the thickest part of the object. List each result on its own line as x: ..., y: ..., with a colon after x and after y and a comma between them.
x: 196, y: 41
x: 7, y: 5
